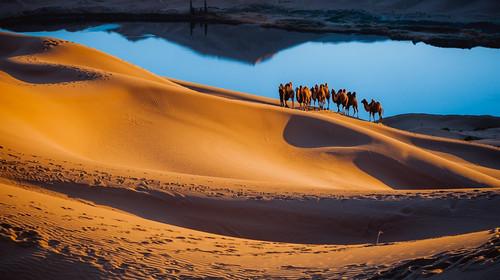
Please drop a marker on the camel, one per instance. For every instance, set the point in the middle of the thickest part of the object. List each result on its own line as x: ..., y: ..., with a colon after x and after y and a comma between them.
x: 372, y: 108
x: 341, y: 99
x: 298, y: 95
x: 303, y: 97
x: 286, y: 93
x: 352, y: 101
x: 335, y: 99
x: 306, y: 97
x: 327, y: 96
x: 321, y: 96
x: 314, y: 94
x: 281, y: 91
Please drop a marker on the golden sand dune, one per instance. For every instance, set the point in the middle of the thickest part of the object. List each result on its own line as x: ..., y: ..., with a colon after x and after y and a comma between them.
x: 110, y: 170
x: 105, y: 110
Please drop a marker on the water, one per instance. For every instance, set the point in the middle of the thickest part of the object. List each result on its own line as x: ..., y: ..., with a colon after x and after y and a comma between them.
x: 405, y: 77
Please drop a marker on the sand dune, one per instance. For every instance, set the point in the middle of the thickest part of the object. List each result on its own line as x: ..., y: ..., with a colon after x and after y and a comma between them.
x: 137, y: 175
x: 127, y: 117
x: 478, y: 129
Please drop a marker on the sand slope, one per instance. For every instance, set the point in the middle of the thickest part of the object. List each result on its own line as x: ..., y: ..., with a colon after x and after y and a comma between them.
x: 95, y: 107
x: 110, y: 171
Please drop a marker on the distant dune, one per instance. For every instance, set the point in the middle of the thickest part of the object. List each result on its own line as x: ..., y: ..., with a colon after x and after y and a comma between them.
x: 110, y: 171
x: 478, y: 129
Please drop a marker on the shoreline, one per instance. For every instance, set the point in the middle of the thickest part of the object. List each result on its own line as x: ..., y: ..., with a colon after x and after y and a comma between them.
x: 433, y: 32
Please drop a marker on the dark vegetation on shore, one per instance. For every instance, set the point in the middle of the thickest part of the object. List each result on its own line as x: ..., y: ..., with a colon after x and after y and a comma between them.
x: 427, y: 29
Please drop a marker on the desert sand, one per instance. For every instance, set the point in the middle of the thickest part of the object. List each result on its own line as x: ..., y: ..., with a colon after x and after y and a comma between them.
x: 110, y: 171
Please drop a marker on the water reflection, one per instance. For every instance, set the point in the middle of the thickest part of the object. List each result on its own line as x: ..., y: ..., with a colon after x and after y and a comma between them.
x: 406, y: 77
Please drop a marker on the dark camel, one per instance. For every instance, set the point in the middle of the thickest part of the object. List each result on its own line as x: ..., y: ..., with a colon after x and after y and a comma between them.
x: 372, y: 108
x: 340, y: 98
x: 286, y: 93
x: 352, y: 101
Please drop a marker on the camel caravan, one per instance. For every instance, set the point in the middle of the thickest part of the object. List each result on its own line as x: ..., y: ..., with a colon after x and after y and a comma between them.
x: 319, y: 96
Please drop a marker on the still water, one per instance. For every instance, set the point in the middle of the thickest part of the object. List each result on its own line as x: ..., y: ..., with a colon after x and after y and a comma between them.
x: 405, y: 77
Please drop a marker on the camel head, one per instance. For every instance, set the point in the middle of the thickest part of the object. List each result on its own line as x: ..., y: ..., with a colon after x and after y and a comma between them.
x: 364, y: 101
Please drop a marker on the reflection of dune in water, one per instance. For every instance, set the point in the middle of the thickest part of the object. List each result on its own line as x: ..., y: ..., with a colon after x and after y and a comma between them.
x: 244, y: 43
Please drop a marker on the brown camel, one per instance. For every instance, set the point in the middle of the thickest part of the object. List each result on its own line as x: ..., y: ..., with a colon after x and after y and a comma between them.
x: 286, y: 93
x: 307, y: 97
x: 372, y: 108
x: 303, y: 97
x: 335, y: 99
x: 352, y: 101
x: 327, y: 96
x: 321, y: 96
x: 342, y: 99
x: 314, y: 94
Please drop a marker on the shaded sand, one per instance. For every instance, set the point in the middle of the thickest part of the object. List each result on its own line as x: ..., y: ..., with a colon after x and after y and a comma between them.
x: 55, y: 231
x: 111, y: 171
